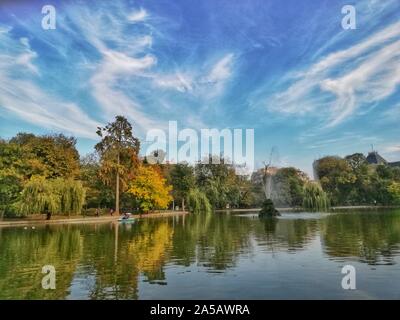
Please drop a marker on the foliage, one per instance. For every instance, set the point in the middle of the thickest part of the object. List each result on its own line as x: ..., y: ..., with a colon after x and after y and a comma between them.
x: 288, y: 186
x: 56, y: 196
x: 118, y: 152
x: 336, y: 177
x: 198, y: 202
x: 49, y: 155
x: 221, y: 184
x: 315, y: 198
x: 150, y: 189
x: 98, y: 194
x: 356, y: 161
x: 394, y: 191
x: 183, y: 180
x: 352, y: 181
x: 27, y: 155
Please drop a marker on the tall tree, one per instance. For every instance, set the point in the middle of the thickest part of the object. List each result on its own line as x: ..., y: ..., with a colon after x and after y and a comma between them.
x: 183, y: 180
x: 118, y: 150
x: 98, y: 194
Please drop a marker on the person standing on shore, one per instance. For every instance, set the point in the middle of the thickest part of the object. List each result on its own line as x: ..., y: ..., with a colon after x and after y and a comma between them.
x: 97, y: 212
x: 111, y: 212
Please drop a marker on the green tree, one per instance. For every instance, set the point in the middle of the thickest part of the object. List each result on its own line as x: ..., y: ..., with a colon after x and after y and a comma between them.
x: 336, y: 177
x: 394, y: 190
x: 288, y: 186
x: 27, y: 155
x: 56, y: 154
x: 63, y: 196
x: 198, y: 201
x: 118, y: 152
x: 315, y: 198
x: 356, y: 161
x: 182, y: 180
x: 214, y: 178
x: 98, y: 194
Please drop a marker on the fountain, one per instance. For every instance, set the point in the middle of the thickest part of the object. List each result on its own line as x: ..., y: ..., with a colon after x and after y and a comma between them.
x: 268, y: 209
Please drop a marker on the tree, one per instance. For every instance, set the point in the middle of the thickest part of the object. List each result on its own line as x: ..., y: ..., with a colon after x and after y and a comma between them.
x: 315, y: 198
x: 394, y: 191
x: 51, y: 196
x: 56, y: 154
x: 98, y: 194
x: 356, y: 161
x: 118, y: 152
x: 27, y: 155
x: 198, y: 201
x: 182, y: 180
x: 215, y: 180
x: 336, y: 177
x: 150, y: 189
x: 288, y: 186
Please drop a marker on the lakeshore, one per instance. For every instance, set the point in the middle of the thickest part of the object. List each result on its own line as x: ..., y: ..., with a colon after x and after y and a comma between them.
x: 40, y: 219
x: 83, y: 219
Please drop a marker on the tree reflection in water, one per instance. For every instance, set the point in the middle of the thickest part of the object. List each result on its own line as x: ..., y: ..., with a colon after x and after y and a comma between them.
x: 110, y: 260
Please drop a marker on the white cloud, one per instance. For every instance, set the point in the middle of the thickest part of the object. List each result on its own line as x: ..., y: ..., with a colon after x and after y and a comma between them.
x: 29, y: 102
x: 138, y: 16
x: 178, y: 81
x: 392, y: 149
x: 25, y: 58
x: 204, y: 86
x: 221, y: 71
x: 364, y: 73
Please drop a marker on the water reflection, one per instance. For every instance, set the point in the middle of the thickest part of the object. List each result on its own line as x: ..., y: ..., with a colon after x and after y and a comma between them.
x: 371, y: 237
x: 109, y: 261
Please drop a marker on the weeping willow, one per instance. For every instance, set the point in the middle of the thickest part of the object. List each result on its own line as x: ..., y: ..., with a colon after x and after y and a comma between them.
x: 315, y: 198
x: 57, y: 196
x: 198, y: 202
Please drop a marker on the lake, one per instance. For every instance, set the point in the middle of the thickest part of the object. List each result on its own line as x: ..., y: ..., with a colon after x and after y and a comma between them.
x: 207, y: 256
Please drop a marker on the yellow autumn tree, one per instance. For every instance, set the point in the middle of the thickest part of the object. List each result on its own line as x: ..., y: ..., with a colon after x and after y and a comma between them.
x: 150, y: 189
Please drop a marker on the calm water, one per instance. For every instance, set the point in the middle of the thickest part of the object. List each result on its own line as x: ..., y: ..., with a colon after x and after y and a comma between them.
x: 207, y: 257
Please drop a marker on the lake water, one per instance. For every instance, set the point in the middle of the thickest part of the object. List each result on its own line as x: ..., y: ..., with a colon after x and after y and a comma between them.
x: 215, y: 256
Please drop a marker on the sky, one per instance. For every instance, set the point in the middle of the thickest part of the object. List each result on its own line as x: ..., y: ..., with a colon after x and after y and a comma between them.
x: 285, y: 68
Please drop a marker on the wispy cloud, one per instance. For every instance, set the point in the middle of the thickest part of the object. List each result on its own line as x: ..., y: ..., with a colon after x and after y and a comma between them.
x: 203, y: 81
x: 138, y: 16
x: 340, y: 83
x: 28, y: 101
x: 177, y: 81
x: 221, y: 71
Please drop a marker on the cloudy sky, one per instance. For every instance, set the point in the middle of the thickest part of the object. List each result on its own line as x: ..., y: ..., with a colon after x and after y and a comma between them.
x: 283, y: 67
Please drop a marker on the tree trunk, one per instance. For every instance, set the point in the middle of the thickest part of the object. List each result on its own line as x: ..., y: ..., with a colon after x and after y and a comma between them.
x: 117, y: 189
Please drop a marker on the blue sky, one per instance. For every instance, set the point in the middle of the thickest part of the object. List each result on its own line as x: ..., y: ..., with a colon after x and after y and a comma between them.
x: 283, y: 67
